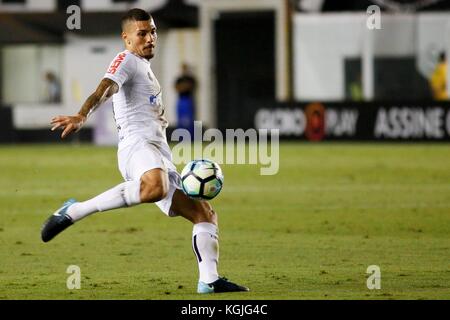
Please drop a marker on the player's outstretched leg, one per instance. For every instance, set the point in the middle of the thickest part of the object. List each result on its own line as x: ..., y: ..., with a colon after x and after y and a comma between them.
x: 205, y: 243
x: 126, y: 194
x: 123, y: 195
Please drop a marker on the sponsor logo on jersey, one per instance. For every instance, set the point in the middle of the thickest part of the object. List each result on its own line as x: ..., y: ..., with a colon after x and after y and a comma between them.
x: 116, y: 63
x: 154, y: 100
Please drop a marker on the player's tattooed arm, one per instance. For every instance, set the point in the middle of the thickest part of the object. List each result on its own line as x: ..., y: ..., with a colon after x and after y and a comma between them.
x: 105, y: 90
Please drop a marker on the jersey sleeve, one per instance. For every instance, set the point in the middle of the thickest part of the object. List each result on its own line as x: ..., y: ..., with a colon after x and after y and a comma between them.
x: 121, y: 69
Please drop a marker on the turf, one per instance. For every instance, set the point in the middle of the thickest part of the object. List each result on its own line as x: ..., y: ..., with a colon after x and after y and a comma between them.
x: 309, y: 232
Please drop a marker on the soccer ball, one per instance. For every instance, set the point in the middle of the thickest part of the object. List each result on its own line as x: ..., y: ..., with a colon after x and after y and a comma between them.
x: 202, y: 179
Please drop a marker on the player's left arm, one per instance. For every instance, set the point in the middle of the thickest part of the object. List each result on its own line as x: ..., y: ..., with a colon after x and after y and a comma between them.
x: 105, y: 90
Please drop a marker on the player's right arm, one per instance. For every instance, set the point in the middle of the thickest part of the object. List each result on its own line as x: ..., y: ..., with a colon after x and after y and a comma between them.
x: 69, y: 124
x: 121, y: 69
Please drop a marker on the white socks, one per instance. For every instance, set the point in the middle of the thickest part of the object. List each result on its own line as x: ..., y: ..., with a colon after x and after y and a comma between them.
x: 126, y: 194
x: 204, y: 236
x: 205, y: 244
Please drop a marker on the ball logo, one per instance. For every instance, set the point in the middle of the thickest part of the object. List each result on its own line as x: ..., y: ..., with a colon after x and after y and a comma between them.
x: 315, y: 119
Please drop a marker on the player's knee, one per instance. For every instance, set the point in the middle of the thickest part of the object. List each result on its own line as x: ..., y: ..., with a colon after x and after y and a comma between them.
x: 159, y: 193
x: 213, y: 217
x: 153, y: 192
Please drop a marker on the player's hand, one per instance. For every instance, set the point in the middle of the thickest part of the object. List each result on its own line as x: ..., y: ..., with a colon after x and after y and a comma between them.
x: 69, y: 124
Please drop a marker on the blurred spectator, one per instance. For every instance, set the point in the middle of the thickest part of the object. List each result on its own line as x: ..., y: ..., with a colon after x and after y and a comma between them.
x: 53, y: 89
x: 438, y: 79
x: 185, y: 85
x: 356, y: 90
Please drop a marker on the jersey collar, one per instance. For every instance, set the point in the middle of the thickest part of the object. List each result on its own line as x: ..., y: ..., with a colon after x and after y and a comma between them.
x: 138, y: 56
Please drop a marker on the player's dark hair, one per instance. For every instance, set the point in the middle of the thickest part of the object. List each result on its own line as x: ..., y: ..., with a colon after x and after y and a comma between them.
x: 135, y: 15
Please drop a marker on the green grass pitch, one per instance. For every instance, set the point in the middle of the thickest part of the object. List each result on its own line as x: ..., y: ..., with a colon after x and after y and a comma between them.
x: 309, y: 232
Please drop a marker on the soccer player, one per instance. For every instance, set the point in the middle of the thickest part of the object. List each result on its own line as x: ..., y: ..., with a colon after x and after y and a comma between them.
x: 144, y: 157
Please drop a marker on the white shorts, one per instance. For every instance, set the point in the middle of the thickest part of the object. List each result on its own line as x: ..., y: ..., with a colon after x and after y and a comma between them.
x: 141, y: 156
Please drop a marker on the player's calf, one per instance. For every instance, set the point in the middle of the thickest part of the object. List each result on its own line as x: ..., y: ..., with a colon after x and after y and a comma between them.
x: 193, y: 210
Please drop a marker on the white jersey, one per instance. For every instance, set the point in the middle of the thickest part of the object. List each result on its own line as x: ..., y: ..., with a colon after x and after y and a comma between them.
x: 138, y: 107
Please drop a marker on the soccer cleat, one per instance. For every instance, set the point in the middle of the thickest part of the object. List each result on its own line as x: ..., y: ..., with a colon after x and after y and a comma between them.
x: 220, y: 285
x: 57, y: 222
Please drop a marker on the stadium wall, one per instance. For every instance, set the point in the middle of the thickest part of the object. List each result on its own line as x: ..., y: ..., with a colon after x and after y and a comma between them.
x: 321, y: 43
x: 80, y: 64
x: 314, y: 121
x: 347, y: 121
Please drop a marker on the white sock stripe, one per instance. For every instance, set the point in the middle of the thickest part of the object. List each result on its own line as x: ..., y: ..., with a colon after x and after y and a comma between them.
x: 122, y: 194
x: 195, y: 249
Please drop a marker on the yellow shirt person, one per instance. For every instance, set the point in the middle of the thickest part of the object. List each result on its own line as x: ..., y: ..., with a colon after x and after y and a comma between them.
x: 438, y: 80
